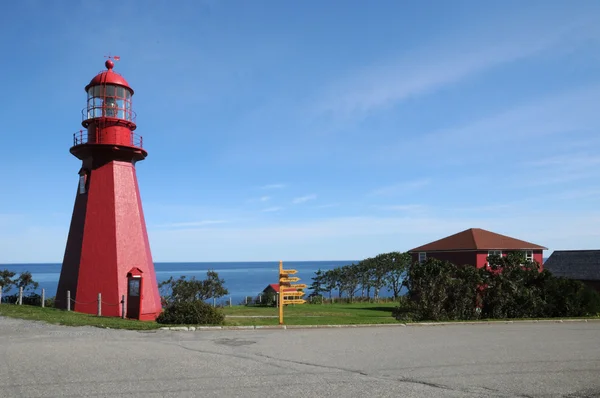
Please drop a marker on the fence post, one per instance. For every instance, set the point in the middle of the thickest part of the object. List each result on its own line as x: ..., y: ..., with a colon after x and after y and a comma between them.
x: 230, y: 301
x: 246, y: 300
x: 68, y: 300
x: 214, y: 302
x: 20, y: 296
x: 43, y: 298
x: 0, y: 295
x: 123, y: 306
x: 99, y: 304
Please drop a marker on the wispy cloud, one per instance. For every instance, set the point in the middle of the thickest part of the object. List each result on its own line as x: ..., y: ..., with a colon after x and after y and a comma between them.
x: 376, y: 234
x: 273, y: 186
x: 400, y: 188
x: 264, y: 198
x: 387, y: 83
x: 303, y: 199
x: 552, y: 121
x: 272, y: 209
x: 326, y: 206
x: 561, y: 169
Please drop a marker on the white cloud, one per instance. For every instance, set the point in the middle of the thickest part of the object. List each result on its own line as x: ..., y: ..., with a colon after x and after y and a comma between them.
x: 327, y: 206
x: 273, y: 186
x: 271, y: 209
x: 448, y: 62
x: 324, y: 239
x: 303, y: 199
x: 520, y: 133
x: 352, y: 237
x: 264, y: 198
x: 400, y: 188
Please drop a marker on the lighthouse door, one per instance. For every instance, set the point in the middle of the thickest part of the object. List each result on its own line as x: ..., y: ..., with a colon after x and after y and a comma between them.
x: 134, y: 296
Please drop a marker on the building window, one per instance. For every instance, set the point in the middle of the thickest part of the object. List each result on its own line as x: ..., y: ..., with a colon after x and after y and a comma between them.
x: 493, y: 253
x: 422, y: 257
x: 529, y: 255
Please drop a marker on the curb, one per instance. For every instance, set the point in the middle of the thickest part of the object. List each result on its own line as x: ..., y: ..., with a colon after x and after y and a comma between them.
x: 365, y: 325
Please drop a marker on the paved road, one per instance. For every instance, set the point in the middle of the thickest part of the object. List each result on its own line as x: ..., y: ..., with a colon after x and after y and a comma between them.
x: 504, y: 360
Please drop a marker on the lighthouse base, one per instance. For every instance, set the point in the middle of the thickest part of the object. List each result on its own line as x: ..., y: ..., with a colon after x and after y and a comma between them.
x: 108, y: 249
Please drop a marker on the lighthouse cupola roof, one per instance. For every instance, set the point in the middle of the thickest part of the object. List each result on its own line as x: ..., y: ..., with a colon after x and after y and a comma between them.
x: 109, y: 76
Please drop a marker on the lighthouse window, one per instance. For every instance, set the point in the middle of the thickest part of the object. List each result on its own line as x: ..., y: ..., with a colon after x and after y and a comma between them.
x: 110, y: 91
x: 82, y: 184
x: 109, y: 100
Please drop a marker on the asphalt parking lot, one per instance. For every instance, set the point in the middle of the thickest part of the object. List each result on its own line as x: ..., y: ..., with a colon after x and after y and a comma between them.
x: 499, y: 360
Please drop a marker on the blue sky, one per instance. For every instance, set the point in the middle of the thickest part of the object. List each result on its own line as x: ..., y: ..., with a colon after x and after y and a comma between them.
x: 312, y: 130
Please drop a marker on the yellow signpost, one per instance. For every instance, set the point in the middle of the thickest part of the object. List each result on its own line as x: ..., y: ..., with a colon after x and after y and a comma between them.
x: 295, y: 301
x: 292, y: 297
x: 290, y: 293
x: 298, y: 286
x: 289, y: 280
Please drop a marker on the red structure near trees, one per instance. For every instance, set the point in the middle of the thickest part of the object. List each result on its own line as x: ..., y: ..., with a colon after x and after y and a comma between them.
x: 107, y: 249
x: 474, y: 245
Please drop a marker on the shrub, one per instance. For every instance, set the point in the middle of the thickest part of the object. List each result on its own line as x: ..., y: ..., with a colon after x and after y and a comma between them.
x: 50, y: 301
x: 191, y: 313
x: 406, y: 310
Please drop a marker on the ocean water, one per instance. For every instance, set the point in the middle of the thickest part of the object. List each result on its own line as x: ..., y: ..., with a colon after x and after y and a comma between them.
x: 241, y: 278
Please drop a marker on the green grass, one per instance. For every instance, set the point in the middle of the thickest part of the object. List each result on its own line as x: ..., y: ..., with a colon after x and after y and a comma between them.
x: 69, y: 318
x: 313, y: 314
x: 306, y: 314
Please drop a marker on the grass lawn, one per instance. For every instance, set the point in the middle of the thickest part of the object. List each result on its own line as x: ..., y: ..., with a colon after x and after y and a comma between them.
x: 70, y: 318
x: 306, y: 314
x: 312, y: 314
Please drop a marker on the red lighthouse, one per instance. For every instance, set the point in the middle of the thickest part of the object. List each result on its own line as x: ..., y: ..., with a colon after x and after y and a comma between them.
x: 107, y: 249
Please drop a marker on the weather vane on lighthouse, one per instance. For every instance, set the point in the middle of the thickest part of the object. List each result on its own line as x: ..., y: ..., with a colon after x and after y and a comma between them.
x: 107, y: 259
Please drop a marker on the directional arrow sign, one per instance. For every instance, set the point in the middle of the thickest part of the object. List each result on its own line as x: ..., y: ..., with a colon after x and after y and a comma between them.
x: 289, y: 280
x: 298, y: 286
x: 289, y: 271
x: 293, y: 294
x: 296, y: 301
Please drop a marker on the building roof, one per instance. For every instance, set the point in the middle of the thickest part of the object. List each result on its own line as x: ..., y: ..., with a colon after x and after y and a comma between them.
x: 275, y: 286
x: 477, y: 239
x: 575, y: 264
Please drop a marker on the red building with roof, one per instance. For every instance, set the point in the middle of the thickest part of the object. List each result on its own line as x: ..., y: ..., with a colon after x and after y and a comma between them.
x: 274, y: 288
x: 474, y: 245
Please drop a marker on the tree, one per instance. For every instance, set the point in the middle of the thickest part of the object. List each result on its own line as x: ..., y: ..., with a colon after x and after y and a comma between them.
x: 25, y: 281
x: 6, y: 281
x: 398, y: 264
x: 510, y: 287
x: 184, y: 290
x: 378, y: 268
x: 317, y: 286
x: 349, y: 280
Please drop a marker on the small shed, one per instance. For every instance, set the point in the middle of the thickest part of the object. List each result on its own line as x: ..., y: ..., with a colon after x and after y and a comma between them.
x: 273, y: 289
